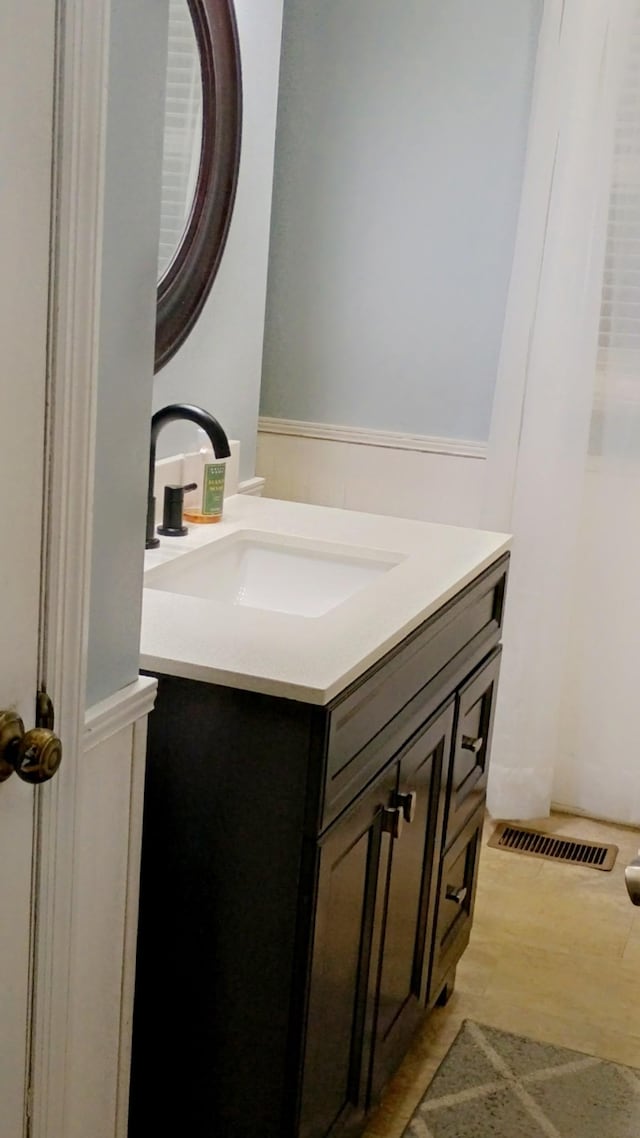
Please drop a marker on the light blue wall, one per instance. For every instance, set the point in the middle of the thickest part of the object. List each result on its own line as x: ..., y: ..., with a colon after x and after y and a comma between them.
x: 219, y: 366
x: 137, y: 62
x: 399, y: 158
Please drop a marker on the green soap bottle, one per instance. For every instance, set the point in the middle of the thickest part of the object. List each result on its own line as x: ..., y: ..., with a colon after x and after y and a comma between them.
x: 213, y: 475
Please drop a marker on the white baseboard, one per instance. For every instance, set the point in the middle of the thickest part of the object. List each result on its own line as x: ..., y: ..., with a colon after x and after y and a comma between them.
x: 576, y: 812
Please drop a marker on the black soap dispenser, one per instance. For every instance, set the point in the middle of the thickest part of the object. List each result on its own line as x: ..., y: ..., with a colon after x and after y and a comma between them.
x: 172, y: 524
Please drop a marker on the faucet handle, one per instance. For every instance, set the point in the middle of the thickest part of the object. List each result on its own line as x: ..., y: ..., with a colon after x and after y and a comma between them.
x: 172, y: 524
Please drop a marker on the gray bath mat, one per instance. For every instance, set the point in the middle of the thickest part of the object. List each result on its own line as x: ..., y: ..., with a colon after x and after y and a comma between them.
x: 495, y: 1085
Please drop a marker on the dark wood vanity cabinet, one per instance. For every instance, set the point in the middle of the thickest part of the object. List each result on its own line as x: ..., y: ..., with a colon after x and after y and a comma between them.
x: 308, y: 879
x: 375, y: 893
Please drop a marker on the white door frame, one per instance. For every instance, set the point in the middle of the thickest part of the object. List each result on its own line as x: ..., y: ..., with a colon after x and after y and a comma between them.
x: 79, y: 169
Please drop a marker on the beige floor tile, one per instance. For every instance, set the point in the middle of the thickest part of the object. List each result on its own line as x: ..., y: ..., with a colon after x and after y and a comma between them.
x: 521, y: 868
x: 554, y: 954
x: 478, y: 965
x: 631, y: 954
x: 559, y: 903
x: 556, y: 920
x: 569, y: 984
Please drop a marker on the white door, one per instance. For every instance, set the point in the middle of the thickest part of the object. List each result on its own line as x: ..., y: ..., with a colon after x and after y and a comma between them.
x: 27, y: 41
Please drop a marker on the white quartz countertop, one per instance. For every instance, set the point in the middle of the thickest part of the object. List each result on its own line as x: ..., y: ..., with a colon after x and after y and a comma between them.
x: 300, y: 657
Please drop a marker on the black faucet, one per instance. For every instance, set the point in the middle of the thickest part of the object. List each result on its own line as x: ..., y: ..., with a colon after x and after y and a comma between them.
x: 170, y: 414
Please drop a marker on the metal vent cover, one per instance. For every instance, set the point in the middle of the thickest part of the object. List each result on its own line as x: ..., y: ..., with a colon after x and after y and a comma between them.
x: 553, y: 847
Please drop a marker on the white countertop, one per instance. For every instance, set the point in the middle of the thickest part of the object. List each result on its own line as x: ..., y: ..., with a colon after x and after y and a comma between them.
x: 298, y: 657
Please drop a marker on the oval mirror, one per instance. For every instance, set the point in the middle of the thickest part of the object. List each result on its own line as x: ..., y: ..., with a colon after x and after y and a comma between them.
x: 201, y: 156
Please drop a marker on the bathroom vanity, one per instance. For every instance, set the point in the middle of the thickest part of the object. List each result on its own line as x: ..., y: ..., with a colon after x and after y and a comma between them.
x: 313, y: 811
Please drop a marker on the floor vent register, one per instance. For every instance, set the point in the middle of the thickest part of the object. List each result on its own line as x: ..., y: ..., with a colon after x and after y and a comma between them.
x: 553, y: 847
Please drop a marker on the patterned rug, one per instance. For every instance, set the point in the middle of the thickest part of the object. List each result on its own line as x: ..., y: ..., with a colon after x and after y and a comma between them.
x: 495, y: 1085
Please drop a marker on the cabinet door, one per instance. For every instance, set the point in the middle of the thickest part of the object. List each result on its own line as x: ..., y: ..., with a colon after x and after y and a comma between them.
x: 412, y: 880
x: 455, y: 901
x: 474, y: 726
x: 353, y: 861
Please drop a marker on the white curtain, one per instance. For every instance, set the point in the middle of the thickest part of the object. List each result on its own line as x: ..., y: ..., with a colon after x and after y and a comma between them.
x: 597, y: 767
x: 545, y: 390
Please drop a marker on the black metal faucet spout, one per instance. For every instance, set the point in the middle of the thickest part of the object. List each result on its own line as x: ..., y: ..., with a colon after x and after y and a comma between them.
x: 170, y: 414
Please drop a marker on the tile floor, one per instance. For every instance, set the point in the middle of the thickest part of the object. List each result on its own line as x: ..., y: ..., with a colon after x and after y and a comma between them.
x: 554, y: 955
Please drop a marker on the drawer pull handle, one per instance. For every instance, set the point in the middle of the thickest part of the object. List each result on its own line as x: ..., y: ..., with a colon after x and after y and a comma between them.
x: 407, y: 803
x: 471, y: 744
x: 392, y: 821
x: 456, y: 895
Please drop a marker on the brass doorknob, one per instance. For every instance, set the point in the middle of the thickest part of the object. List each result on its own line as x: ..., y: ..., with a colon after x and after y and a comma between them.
x: 34, y: 755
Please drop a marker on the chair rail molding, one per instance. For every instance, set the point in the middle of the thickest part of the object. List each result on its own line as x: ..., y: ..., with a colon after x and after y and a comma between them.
x: 366, y: 436
x: 119, y: 711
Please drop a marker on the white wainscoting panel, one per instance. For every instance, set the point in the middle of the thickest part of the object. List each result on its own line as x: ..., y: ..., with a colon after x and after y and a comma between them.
x: 379, y: 473
x: 105, y: 910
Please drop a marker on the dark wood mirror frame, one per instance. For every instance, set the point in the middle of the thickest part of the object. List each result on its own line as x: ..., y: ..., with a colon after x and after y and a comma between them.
x: 185, y: 286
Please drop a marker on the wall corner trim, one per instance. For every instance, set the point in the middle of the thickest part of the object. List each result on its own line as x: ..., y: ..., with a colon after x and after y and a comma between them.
x: 119, y: 711
x: 253, y: 486
x: 364, y: 436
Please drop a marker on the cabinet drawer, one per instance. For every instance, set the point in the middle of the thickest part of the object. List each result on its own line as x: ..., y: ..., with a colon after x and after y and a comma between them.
x: 472, y: 744
x: 456, y: 898
x: 463, y: 630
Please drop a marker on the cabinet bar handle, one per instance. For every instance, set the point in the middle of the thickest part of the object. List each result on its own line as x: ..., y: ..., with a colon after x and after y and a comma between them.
x: 471, y: 744
x: 408, y: 803
x: 457, y: 895
x: 392, y: 821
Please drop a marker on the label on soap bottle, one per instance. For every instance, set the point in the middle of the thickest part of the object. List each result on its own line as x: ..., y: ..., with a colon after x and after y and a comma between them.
x: 213, y: 488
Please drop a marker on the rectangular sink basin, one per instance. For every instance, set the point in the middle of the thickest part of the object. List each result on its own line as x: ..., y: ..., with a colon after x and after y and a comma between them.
x: 270, y: 571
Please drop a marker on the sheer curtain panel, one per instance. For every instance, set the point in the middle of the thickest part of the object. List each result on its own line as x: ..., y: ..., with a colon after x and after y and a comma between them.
x: 597, y: 769
x: 544, y: 394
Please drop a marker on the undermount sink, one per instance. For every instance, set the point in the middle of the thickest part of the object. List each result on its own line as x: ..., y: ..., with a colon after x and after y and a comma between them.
x: 272, y: 571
